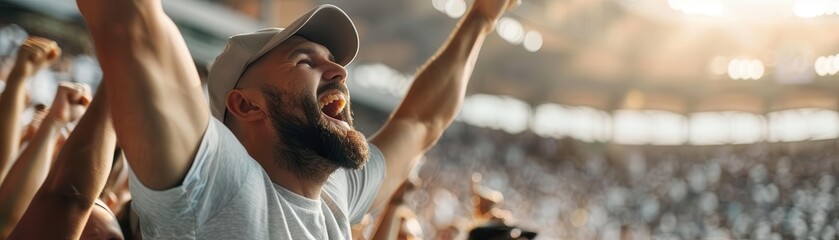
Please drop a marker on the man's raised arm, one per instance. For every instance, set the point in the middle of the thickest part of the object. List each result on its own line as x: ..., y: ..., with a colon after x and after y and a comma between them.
x: 435, y: 96
x: 155, y: 96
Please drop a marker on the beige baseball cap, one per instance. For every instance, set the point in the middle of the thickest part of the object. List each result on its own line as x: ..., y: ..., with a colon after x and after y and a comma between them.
x: 326, y: 24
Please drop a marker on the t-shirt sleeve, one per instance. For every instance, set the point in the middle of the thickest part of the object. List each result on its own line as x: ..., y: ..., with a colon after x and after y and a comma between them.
x: 220, y: 167
x: 364, y: 184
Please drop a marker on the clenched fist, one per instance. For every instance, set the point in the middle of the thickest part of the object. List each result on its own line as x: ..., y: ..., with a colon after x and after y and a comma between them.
x: 70, y: 102
x: 34, y: 54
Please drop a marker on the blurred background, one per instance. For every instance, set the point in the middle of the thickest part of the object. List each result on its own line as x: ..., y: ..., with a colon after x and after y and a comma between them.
x: 594, y: 119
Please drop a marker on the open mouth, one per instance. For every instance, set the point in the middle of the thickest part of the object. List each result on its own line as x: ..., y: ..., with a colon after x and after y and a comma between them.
x: 332, y: 105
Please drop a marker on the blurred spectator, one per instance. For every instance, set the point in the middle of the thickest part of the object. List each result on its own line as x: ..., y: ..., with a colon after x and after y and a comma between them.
x: 33, y: 55
x: 360, y: 230
x: 68, y: 201
x: 22, y: 173
x: 398, y: 221
x: 484, y: 200
x: 102, y: 224
x: 32, y: 166
x: 449, y: 232
x: 32, y: 128
x: 116, y: 195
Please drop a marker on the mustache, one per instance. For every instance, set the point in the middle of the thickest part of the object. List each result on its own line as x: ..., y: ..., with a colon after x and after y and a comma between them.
x: 334, y: 86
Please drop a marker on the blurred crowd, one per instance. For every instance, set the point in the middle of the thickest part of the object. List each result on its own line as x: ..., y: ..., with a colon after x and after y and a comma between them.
x: 566, y: 189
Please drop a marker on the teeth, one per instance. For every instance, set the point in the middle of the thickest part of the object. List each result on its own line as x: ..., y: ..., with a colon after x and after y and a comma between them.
x: 326, y: 100
x: 331, y: 98
x: 342, y: 104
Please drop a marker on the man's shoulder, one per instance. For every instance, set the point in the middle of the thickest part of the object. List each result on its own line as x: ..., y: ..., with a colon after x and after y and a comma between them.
x: 222, y: 137
x: 216, y: 126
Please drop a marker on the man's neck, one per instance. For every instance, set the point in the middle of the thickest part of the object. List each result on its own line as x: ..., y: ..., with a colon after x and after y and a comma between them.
x: 303, y: 177
x: 307, y: 188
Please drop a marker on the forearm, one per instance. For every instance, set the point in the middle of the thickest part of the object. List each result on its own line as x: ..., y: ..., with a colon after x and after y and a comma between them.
x: 12, y: 103
x: 431, y: 104
x: 435, y: 96
x: 438, y: 90
x: 85, y: 160
x: 27, y: 175
x: 77, y: 178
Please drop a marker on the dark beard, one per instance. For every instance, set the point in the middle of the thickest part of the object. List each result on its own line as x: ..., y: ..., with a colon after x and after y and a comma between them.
x: 310, y: 147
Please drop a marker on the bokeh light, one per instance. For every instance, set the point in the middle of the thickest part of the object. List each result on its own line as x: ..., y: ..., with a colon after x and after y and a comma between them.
x: 511, y: 30
x: 455, y: 8
x: 532, y: 41
x: 745, y: 69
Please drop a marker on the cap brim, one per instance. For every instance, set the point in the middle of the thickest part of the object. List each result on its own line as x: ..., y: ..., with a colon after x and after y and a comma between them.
x: 326, y: 25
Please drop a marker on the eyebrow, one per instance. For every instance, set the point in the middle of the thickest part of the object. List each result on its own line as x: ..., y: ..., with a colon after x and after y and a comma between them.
x: 309, y: 51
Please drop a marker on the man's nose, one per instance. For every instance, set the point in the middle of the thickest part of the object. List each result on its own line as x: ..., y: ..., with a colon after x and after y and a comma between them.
x: 334, y: 73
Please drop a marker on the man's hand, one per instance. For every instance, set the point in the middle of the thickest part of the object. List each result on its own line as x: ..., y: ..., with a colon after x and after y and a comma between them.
x: 70, y: 102
x: 491, y: 10
x: 34, y: 54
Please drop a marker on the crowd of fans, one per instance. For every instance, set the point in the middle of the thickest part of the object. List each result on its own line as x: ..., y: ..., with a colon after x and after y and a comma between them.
x: 566, y: 189
x: 476, y: 181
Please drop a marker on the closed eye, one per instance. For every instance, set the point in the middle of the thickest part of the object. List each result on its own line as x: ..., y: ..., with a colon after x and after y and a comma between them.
x: 306, y: 61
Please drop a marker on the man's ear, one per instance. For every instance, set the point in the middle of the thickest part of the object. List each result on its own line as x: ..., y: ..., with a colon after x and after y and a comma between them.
x: 243, y: 106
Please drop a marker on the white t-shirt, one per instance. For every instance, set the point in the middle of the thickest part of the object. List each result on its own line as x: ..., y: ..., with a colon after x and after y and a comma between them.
x: 227, y: 195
